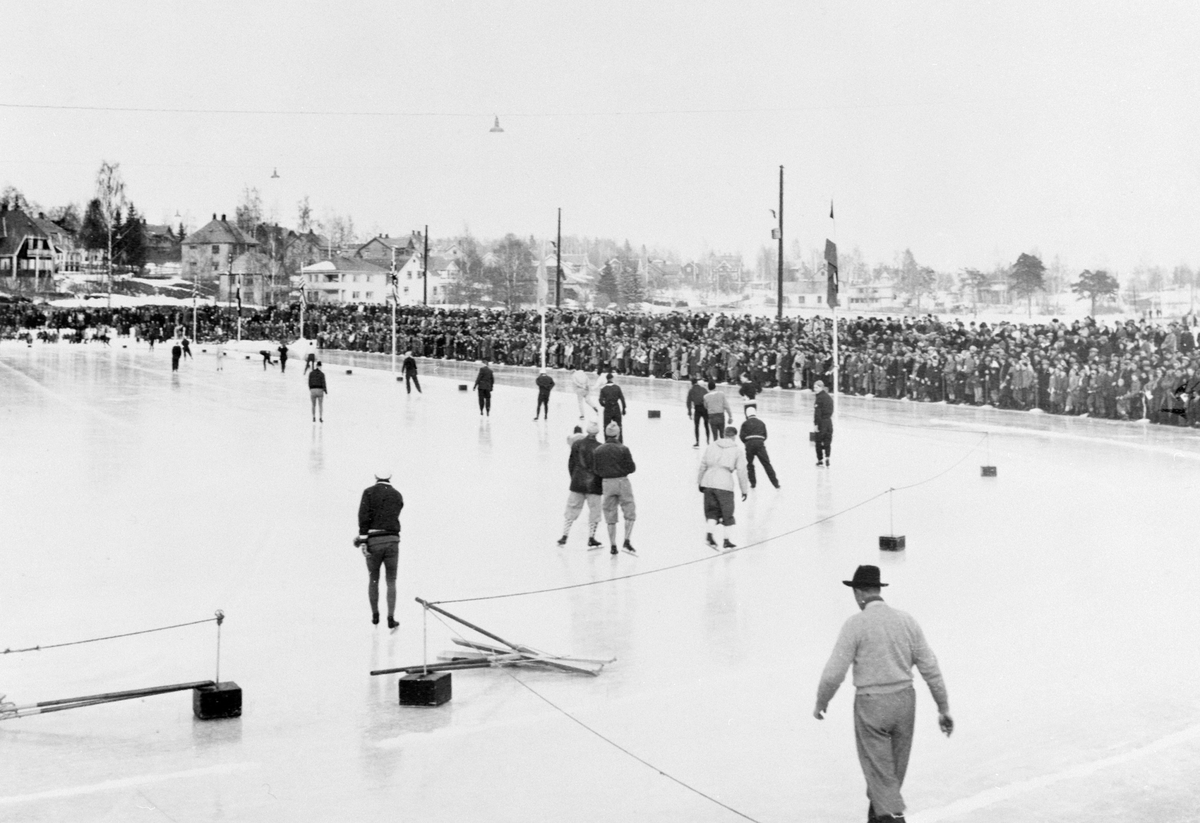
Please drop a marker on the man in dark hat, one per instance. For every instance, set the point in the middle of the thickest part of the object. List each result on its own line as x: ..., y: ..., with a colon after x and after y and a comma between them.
x: 883, y: 644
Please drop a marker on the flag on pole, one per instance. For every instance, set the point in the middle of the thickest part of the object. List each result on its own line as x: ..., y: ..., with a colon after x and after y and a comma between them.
x: 830, y: 209
x: 543, y: 287
x: 303, y: 296
x: 831, y: 266
x: 395, y: 278
x: 239, y: 299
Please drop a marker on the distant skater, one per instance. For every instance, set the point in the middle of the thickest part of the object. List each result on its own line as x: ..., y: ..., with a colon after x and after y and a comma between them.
x: 410, y: 373
x: 695, y: 410
x: 822, y: 422
x: 266, y: 356
x: 379, y: 536
x: 716, y: 405
x: 581, y: 384
x: 612, y: 400
x: 545, y: 383
x: 883, y: 644
x: 176, y: 351
x: 723, y: 461
x: 612, y: 462
x: 484, y: 382
x: 220, y: 355
x: 283, y: 350
x: 317, y: 391
x: 187, y: 349
x: 310, y: 361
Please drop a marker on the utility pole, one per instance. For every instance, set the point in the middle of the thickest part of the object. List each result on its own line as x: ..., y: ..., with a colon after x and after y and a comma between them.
x: 779, y: 291
x: 425, y: 270
x: 558, y: 264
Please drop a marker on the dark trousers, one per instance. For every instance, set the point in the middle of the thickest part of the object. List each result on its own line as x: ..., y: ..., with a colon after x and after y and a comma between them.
x: 282, y: 363
x: 613, y: 415
x: 485, y: 401
x: 699, y: 418
x: 757, y: 448
x: 824, y: 441
x: 883, y: 732
x: 716, y: 422
x: 410, y: 379
x: 542, y: 403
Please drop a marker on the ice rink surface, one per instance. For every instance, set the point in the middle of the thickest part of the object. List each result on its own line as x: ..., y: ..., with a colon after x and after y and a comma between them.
x: 1060, y: 598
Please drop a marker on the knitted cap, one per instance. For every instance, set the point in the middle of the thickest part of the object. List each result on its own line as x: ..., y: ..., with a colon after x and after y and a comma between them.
x: 593, y: 427
x: 613, y: 429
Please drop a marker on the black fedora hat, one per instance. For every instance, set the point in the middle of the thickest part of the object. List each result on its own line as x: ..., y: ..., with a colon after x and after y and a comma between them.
x: 865, y: 577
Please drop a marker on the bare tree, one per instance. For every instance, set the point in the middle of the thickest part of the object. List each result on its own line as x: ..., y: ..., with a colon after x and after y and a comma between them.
x: 110, y: 191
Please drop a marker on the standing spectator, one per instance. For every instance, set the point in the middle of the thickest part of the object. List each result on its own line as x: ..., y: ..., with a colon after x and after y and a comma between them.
x: 612, y: 400
x: 317, y: 391
x: 581, y: 383
x: 612, y: 462
x: 484, y: 382
x: 823, y: 422
x: 544, y: 385
x: 722, y: 460
x: 283, y: 350
x: 586, y: 486
x: 379, y: 536
x: 695, y: 410
x: 754, y: 436
x: 410, y: 373
x: 176, y: 351
x: 716, y: 404
x: 883, y: 644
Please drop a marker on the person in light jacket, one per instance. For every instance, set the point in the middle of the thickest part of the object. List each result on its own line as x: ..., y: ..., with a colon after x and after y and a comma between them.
x: 722, y: 461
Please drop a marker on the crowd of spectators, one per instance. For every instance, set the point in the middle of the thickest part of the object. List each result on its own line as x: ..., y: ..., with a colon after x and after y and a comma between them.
x: 1128, y: 369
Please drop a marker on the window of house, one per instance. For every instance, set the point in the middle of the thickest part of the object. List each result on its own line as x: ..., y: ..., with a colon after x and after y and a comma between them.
x: 354, y: 295
x: 370, y: 295
x: 216, y: 249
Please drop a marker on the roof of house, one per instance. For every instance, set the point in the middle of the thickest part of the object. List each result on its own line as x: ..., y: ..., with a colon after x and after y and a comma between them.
x: 15, y: 226
x: 354, y: 265
x: 219, y: 231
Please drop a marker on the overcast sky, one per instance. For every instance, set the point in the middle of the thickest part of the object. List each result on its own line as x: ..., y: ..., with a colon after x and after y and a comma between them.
x: 967, y: 132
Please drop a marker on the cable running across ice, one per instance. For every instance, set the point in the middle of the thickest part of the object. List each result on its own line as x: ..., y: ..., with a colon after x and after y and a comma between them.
x: 711, y: 557
x: 40, y: 648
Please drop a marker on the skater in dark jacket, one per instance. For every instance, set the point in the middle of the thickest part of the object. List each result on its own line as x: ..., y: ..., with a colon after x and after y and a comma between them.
x: 317, y: 391
x: 695, y: 410
x: 823, y: 423
x: 613, y: 463
x: 484, y: 381
x: 754, y: 435
x: 544, y: 384
x: 379, y: 537
x: 410, y: 373
x: 586, y: 486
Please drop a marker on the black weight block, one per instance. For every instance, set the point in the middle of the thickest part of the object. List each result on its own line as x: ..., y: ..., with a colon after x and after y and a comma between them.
x: 462, y: 386
x: 891, y: 542
x: 987, y: 471
x: 221, y: 700
x: 654, y: 414
x: 349, y: 371
x: 430, y: 689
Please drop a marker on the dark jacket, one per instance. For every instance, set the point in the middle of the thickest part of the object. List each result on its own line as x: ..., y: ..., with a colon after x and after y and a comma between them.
x: 695, y: 398
x: 544, y: 383
x: 485, y: 380
x: 611, y: 397
x: 379, y: 510
x: 613, y: 459
x: 753, y: 428
x: 316, y: 379
x: 410, y: 366
x: 581, y: 465
x: 823, y: 411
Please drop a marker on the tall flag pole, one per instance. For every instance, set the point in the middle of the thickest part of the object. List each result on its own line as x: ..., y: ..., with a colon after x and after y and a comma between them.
x: 543, y: 289
x: 303, y: 302
x: 392, y: 281
x: 831, y: 292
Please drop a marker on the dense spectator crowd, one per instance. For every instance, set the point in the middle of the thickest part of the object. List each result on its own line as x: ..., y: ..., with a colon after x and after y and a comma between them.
x: 1130, y: 369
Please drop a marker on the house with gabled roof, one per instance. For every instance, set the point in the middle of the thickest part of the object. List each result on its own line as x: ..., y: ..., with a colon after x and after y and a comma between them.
x: 346, y: 280
x: 210, y: 250
x: 26, y: 252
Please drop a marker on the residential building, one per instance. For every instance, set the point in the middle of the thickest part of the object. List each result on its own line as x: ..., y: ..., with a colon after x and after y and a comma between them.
x: 210, y: 250
x: 26, y: 252
x: 346, y: 280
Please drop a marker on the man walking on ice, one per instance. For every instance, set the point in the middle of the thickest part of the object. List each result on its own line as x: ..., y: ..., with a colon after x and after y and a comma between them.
x: 379, y: 537
x: 883, y: 644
